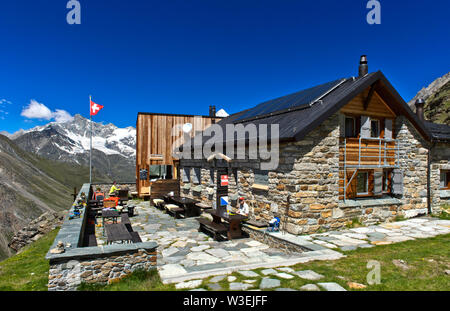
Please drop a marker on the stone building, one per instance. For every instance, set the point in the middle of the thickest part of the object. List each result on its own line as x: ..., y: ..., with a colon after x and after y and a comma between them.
x: 349, y: 150
x: 439, y: 179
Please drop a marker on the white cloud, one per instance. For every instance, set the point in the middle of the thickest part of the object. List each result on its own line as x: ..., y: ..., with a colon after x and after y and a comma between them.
x: 62, y: 116
x: 36, y: 110
x: 3, y: 103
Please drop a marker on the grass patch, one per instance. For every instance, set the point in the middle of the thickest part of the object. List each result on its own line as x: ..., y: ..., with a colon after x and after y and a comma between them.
x: 27, y: 271
x: 427, y: 260
x: 139, y: 280
x: 355, y: 223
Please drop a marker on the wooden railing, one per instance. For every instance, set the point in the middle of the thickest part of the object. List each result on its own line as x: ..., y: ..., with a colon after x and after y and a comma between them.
x: 368, y: 152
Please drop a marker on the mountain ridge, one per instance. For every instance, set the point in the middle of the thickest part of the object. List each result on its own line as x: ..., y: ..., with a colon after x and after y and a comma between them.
x: 113, y: 148
x: 437, y: 100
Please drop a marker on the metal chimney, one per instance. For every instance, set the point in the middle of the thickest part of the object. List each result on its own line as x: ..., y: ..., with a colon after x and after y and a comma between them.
x: 419, y: 109
x: 363, y: 68
x: 212, y: 111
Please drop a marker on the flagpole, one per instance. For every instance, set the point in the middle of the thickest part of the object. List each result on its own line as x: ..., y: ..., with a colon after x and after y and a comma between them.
x: 90, y: 153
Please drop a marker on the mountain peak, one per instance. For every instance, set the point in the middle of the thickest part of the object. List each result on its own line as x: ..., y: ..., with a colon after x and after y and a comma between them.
x: 437, y: 100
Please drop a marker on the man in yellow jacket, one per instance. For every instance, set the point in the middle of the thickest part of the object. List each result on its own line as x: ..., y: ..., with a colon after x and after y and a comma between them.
x: 114, y: 188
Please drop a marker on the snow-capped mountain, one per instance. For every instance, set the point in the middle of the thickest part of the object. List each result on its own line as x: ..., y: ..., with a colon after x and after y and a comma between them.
x: 114, y: 149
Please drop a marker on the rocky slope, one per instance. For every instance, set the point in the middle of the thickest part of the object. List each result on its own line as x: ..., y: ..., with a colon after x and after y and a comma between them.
x: 36, y: 229
x: 437, y: 100
x: 26, y: 191
x: 114, y: 149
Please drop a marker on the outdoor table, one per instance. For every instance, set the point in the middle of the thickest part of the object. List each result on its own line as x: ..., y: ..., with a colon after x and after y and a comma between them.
x: 234, y: 230
x: 117, y: 232
x: 113, y: 214
x: 190, y: 210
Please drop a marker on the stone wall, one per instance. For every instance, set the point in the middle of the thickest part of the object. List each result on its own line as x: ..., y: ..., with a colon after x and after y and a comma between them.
x: 440, y: 160
x: 69, y: 274
x: 106, y: 187
x: 308, y: 176
x: 414, y: 163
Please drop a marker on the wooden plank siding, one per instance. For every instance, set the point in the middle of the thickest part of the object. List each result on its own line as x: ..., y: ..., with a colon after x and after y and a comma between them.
x: 378, y: 109
x: 154, y: 137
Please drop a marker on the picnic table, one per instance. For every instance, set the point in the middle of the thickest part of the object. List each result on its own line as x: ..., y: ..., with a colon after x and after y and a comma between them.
x: 109, y: 214
x: 190, y: 210
x: 117, y: 232
x: 234, y: 221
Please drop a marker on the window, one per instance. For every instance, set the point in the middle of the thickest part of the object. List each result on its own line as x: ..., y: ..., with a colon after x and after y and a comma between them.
x: 375, y: 128
x: 261, y: 180
x: 362, y: 183
x: 445, y: 180
x: 350, y: 127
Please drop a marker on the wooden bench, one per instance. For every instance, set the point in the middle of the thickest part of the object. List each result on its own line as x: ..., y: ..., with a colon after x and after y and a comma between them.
x: 145, y: 193
x: 257, y: 224
x: 203, y: 207
x: 175, y: 212
x: 135, y: 238
x: 124, y: 219
x: 217, y: 230
x: 158, y: 203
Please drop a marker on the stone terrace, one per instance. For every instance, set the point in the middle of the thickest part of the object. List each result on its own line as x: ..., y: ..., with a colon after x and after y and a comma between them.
x: 186, y: 254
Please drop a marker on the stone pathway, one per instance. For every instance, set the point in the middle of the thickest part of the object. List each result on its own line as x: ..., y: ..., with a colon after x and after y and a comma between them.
x: 188, y: 258
x: 364, y: 237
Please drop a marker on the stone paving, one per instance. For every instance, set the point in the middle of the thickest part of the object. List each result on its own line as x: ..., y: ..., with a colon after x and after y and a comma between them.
x: 365, y: 237
x: 186, y: 256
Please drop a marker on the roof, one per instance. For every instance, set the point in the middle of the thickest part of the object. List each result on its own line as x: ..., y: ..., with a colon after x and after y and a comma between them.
x: 300, y: 114
x: 177, y: 115
x: 439, y: 132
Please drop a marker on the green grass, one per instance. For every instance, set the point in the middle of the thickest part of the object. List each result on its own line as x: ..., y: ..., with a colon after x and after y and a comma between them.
x: 139, y: 280
x: 27, y: 271
x: 427, y: 258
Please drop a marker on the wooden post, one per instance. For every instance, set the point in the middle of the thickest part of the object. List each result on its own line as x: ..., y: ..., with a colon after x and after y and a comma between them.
x: 74, y: 193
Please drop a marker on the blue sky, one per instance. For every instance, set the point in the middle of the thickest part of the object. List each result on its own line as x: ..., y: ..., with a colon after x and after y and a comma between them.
x: 182, y: 56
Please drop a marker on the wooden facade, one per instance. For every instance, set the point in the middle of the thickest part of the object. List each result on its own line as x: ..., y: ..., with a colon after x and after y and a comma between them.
x: 366, y: 154
x: 154, y: 141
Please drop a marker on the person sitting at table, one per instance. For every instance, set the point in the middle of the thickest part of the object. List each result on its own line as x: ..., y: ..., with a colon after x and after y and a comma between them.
x: 114, y: 189
x: 98, y: 195
x: 243, y: 207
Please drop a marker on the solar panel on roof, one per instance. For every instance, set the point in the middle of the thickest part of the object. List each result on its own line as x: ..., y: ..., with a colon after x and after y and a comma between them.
x: 295, y: 100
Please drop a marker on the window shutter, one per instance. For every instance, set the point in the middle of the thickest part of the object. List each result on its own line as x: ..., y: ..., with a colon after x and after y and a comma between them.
x: 388, y: 128
x: 378, y: 183
x: 365, y: 126
x: 186, y: 174
x: 442, y: 185
x: 351, y: 189
x: 397, y: 182
x: 342, y: 125
x: 196, y: 176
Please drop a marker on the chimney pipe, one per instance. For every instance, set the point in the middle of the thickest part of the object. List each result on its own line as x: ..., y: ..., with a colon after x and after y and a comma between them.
x: 212, y: 111
x: 363, y: 68
x: 419, y: 109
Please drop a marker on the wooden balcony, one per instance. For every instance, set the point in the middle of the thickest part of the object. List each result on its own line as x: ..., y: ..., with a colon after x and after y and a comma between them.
x: 368, y: 153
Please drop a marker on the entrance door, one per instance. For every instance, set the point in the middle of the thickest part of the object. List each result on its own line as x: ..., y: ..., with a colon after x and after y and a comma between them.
x: 222, y: 189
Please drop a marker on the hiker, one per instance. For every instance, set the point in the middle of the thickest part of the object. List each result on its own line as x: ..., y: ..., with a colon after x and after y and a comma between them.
x: 243, y: 207
x: 114, y: 189
x: 98, y: 195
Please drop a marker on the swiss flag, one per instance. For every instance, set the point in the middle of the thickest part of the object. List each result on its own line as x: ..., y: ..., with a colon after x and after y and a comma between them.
x: 95, y: 108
